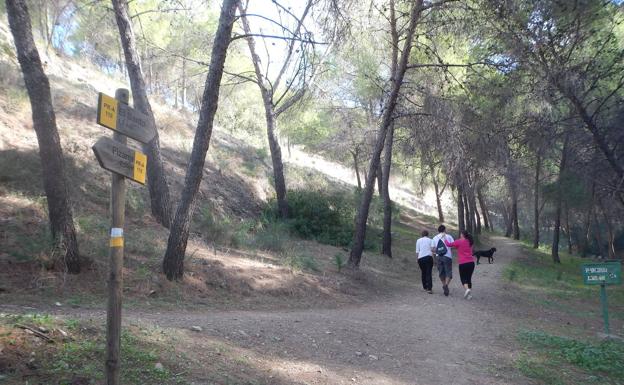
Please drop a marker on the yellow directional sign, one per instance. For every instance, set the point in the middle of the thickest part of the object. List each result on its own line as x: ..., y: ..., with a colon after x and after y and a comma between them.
x: 120, y: 159
x: 124, y: 119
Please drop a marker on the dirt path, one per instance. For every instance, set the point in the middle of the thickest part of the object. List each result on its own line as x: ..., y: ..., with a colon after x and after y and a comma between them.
x: 414, y: 338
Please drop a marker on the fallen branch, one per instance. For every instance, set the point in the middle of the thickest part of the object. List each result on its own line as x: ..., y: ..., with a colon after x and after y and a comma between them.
x: 35, y: 332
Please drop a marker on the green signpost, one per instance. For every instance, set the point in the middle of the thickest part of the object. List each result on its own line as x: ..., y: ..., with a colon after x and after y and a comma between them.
x: 603, y: 274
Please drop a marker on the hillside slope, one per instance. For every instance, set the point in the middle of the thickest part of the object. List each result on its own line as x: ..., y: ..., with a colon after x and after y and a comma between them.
x: 230, y: 254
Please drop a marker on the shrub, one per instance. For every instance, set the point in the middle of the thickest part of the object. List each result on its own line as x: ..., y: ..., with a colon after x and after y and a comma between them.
x: 327, y: 217
x: 339, y: 261
x: 262, y: 153
x: 271, y: 236
x: 300, y: 262
x: 221, y: 230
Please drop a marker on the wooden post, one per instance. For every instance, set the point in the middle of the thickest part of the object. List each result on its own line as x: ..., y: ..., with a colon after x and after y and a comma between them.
x: 116, y: 253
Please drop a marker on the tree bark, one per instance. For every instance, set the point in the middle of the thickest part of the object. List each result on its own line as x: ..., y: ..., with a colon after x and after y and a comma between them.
x: 536, y: 211
x: 507, y: 215
x: 156, y: 177
x: 357, y: 169
x: 514, y: 212
x: 598, y: 237
x: 278, y: 164
x: 362, y: 216
x: 380, y: 179
x: 460, y: 208
x: 587, y: 233
x: 183, y: 83
x: 567, y: 228
x: 475, y: 210
x: 436, y: 187
x: 386, y: 248
x: 610, y: 231
x: 270, y: 117
x: 386, y: 244
x: 484, y: 210
x: 55, y: 181
x: 558, y: 203
x: 173, y: 263
x: 467, y: 213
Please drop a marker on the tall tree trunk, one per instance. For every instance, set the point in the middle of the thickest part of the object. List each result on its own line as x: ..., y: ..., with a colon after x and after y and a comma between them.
x: 386, y: 248
x: 484, y: 210
x: 475, y: 209
x: 567, y: 228
x: 122, y: 67
x: 386, y: 245
x: 597, y: 233
x: 380, y: 179
x: 467, y: 213
x: 55, y: 181
x: 559, y: 202
x: 183, y: 83
x: 175, y: 94
x: 436, y: 187
x: 474, y: 214
x: 460, y: 208
x: 156, y: 177
x: 173, y: 263
x: 536, y: 211
x: 357, y: 169
x: 278, y: 165
x: 362, y: 216
x: 587, y: 226
x: 514, y: 212
x: 508, y: 216
x: 270, y: 117
x: 610, y: 231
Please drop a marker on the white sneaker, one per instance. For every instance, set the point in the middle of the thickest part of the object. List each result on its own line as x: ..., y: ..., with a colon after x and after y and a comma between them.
x: 467, y: 294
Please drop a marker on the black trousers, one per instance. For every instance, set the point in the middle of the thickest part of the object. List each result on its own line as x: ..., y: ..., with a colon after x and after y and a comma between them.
x: 465, y: 273
x: 426, y: 265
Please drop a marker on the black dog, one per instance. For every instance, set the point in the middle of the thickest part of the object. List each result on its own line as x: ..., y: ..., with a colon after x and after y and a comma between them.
x: 489, y: 254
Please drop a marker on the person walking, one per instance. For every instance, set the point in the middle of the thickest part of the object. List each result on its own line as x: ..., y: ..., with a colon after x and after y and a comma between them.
x: 425, y: 260
x: 444, y: 257
x: 465, y: 260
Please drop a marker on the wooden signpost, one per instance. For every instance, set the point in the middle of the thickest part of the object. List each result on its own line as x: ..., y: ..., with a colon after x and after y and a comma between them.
x: 123, y: 162
x: 120, y: 159
x: 118, y: 116
x: 603, y: 274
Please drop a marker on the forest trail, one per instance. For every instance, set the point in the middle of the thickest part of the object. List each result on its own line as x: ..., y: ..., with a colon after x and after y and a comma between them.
x: 412, y: 338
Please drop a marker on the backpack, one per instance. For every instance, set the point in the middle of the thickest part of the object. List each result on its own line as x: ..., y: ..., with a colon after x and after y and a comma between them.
x: 441, y: 248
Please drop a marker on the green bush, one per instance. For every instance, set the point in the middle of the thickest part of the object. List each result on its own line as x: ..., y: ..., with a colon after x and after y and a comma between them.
x: 271, y: 236
x: 300, y: 262
x: 221, y: 230
x: 327, y: 217
x: 339, y: 261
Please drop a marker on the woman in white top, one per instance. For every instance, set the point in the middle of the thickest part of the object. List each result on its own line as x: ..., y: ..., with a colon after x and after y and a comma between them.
x: 425, y: 260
